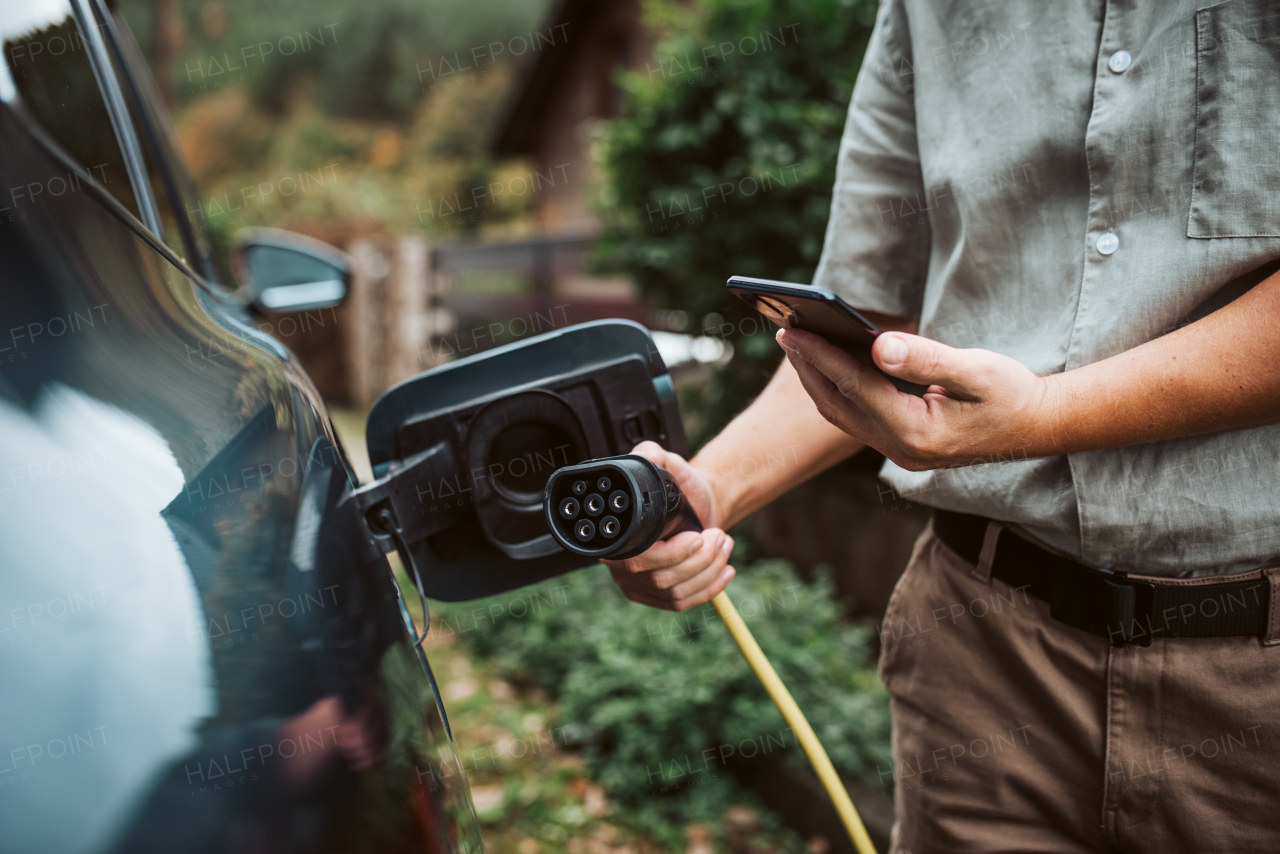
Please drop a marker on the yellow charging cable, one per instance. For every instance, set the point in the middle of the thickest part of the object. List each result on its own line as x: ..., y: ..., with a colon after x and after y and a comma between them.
x: 795, y: 719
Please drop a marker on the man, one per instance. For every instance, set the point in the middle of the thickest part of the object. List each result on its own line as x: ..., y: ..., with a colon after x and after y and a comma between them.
x: 1077, y: 206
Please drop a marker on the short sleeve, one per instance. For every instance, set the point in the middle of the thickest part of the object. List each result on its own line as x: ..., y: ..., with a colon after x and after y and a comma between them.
x: 875, y: 255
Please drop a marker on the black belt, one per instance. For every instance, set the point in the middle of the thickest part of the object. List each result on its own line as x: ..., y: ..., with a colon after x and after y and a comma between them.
x: 1111, y: 604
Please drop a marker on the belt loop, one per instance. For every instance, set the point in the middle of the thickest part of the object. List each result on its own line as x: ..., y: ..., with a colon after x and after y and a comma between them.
x: 1271, y: 636
x: 982, y: 570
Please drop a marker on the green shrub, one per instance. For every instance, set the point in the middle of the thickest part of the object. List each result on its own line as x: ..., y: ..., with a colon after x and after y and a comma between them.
x: 646, y: 692
x: 764, y: 116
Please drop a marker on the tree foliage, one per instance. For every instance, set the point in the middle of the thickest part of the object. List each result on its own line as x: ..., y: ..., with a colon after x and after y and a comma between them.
x: 722, y: 162
x: 371, y: 60
x: 383, y: 111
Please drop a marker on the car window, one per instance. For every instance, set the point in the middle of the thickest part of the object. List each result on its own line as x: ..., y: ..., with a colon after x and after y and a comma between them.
x: 172, y: 232
x: 143, y: 123
x: 175, y: 195
x: 48, y: 62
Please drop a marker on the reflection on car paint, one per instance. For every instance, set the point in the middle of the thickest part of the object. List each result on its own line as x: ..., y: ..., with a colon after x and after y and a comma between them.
x: 197, y: 654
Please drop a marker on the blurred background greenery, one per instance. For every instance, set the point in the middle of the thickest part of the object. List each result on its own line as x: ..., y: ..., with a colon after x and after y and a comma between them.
x: 777, y: 114
x: 363, y: 108
x: 670, y: 722
x: 368, y: 119
x: 350, y: 94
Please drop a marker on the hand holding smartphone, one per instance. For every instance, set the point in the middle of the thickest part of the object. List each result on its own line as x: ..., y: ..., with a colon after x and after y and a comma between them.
x: 821, y: 312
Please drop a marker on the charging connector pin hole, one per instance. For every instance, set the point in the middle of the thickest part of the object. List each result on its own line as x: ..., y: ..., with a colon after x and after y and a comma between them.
x: 579, y: 487
x: 569, y: 508
x: 603, y: 484
x: 584, y: 530
x: 610, y: 527
x: 594, y: 505
x: 619, y: 501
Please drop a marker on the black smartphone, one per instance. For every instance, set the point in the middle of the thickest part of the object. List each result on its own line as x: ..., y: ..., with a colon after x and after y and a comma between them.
x: 818, y: 311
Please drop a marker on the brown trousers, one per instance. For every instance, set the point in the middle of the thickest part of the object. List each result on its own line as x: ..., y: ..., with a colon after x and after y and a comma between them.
x: 1013, y: 732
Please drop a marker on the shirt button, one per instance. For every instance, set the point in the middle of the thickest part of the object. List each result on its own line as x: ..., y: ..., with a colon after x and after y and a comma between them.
x: 1108, y: 243
x: 1120, y: 61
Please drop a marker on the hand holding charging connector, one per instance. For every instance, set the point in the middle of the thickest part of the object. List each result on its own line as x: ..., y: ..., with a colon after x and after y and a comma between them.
x: 685, y: 569
x: 616, y: 508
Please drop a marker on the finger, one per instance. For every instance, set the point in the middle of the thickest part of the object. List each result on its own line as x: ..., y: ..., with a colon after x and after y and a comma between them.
x: 667, y: 553
x: 844, y: 371
x: 685, y: 589
x: 676, y: 584
x: 819, y: 388
x: 706, y: 594
x: 921, y: 360
x: 640, y: 597
x: 840, y: 410
x: 663, y: 580
x: 875, y: 396
x: 652, y: 591
x: 677, y: 465
x: 652, y: 451
x: 848, y: 378
x: 691, y: 482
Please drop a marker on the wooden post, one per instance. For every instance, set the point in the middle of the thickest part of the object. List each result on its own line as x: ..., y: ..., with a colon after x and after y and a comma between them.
x: 407, y: 310
x: 366, y: 352
x: 438, y: 321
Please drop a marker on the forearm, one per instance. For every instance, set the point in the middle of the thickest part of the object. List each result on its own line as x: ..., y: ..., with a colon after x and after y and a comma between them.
x: 778, y: 442
x: 1218, y: 374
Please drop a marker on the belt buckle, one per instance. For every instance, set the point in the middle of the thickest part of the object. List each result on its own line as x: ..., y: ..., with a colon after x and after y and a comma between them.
x: 1144, y: 605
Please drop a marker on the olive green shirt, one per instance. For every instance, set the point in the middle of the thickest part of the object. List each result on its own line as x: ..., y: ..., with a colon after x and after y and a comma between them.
x: 1060, y: 182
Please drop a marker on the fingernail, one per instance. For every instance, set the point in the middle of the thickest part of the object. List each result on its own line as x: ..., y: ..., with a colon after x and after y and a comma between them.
x: 727, y: 545
x: 695, y: 545
x: 720, y: 542
x: 893, y: 352
x: 784, y: 341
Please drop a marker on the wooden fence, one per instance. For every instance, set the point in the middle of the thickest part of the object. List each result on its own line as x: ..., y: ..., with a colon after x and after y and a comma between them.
x: 412, y: 307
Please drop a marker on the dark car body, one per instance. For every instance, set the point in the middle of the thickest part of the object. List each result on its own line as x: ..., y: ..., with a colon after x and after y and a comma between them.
x: 195, y: 654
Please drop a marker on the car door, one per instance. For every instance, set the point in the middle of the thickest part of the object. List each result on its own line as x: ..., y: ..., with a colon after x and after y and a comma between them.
x: 201, y: 651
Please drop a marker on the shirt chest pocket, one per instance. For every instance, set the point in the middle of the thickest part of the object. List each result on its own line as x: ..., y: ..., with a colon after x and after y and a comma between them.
x: 1236, y: 177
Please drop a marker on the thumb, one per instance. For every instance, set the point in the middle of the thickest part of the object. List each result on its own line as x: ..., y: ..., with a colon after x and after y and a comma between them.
x: 921, y: 360
x: 692, y: 482
x: 674, y: 463
x: 654, y: 453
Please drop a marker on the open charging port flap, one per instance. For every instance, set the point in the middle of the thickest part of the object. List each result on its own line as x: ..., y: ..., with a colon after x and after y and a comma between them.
x: 462, y: 453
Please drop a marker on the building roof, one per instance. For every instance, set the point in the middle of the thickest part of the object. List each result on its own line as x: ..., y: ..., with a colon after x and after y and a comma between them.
x: 539, y: 80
